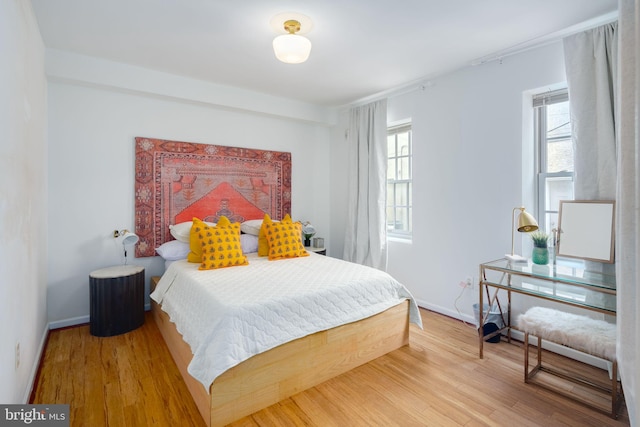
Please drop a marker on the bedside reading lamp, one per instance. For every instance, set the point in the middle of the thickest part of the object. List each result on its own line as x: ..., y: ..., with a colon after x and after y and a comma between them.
x: 128, y: 239
x: 526, y: 224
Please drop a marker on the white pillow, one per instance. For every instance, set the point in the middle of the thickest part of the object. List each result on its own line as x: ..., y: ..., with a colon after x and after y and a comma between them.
x: 181, y: 231
x: 249, y: 243
x: 173, y: 250
x: 251, y: 226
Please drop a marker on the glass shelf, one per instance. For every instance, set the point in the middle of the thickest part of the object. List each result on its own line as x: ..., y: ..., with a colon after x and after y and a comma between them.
x: 569, y: 272
x: 584, y: 284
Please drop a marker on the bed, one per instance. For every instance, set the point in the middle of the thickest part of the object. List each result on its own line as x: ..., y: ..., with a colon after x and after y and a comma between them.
x: 176, y: 181
x: 304, y: 321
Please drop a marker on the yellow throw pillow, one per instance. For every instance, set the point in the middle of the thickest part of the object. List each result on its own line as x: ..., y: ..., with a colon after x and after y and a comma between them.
x: 221, y: 246
x: 195, y: 240
x: 284, y: 239
x: 263, y: 245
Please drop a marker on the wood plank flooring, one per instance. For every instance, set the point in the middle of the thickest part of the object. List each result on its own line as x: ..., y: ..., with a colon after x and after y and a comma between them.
x: 438, y: 380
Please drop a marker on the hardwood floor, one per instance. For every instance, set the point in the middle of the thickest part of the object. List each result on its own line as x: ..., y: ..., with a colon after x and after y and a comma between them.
x: 438, y: 380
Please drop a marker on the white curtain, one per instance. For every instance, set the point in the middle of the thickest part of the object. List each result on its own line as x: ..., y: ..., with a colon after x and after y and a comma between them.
x: 591, y: 61
x: 628, y: 205
x: 603, y: 76
x: 366, y: 235
x: 591, y: 64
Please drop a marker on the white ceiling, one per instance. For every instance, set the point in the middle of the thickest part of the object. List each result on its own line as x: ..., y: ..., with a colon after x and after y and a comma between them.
x: 360, y: 47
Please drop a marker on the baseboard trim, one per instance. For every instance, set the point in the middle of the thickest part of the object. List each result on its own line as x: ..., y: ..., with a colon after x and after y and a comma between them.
x: 35, y: 368
x: 447, y: 312
x: 519, y: 336
x: 80, y: 320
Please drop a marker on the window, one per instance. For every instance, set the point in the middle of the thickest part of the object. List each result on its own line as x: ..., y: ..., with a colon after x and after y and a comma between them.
x: 554, y: 169
x: 399, y: 197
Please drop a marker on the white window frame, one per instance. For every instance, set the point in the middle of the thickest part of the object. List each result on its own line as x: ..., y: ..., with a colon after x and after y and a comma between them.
x: 540, y: 136
x: 392, y: 233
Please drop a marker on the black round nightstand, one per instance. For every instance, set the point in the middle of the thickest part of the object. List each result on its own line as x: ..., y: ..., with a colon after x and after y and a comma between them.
x: 117, y: 300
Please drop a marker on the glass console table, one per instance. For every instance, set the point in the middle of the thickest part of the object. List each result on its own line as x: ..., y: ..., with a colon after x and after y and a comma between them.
x: 571, y: 282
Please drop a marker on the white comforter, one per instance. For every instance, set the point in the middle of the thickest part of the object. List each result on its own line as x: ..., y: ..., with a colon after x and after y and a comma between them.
x: 230, y: 314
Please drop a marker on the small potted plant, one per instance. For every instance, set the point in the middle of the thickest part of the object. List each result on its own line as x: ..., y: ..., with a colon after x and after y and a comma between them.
x: 540, y: 254
x: 308, y: 231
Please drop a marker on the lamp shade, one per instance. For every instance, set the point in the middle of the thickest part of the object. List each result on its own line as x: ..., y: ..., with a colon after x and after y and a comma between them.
x: 291, y: 48
x: 526, y: 222
x: 129, y: 239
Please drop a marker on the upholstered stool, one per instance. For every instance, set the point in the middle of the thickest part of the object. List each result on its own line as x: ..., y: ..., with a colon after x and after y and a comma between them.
x: 581, y: 333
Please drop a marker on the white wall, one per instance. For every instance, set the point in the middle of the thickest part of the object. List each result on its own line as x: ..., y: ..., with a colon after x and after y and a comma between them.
x: 91, y: 162
x: 23, y: 192
x: 467, y: 165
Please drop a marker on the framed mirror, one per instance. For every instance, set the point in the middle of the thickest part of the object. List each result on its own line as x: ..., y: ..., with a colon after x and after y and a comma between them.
x: 586, y: 230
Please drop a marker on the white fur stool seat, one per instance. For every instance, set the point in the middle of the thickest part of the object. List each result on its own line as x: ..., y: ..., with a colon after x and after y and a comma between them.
x: 581, y: 333
x: 591, y: 336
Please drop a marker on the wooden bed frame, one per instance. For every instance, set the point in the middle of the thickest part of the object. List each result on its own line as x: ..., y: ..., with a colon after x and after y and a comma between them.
x: 272, y: 376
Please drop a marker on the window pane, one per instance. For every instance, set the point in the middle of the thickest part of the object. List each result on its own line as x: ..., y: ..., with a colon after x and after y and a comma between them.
x: 558, y: 188
x: 558, y: 122
x: 390, y: 194
x: 403, y: 144
x: 402, y: 223
x: 404, y: 171
x: 560, y: 155
x: 391, y: 146
x: 401, y: 194
x: 559, y: 145
x: 391, y: 169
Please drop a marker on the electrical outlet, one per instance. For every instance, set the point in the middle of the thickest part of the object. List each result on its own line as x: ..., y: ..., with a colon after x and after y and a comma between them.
x: 469, y: 282
x: 17, y: 355
x: 466, y: 283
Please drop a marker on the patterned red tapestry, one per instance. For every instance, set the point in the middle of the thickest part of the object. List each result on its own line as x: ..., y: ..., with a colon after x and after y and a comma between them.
x: 176, y: 181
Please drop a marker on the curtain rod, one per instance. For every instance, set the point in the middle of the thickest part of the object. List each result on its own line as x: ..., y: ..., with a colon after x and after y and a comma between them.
x: 548, y: 38
x: 425, y: 82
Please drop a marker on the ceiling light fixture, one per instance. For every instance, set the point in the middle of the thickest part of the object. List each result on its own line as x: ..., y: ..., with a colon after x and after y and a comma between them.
x: 292, y: 48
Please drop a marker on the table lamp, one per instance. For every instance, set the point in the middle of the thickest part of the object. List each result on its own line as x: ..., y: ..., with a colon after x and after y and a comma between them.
x: 526, y: 224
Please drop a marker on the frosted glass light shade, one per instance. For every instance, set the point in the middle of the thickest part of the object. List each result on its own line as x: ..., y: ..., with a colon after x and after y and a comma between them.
x: 129, y: 239
x: 291, y: 48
